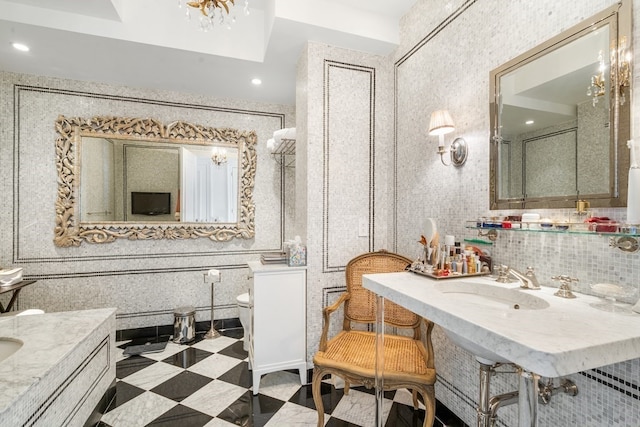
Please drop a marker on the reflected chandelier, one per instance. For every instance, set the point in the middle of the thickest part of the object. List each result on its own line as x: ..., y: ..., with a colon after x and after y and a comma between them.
x: 218, y: 156
x: 212, y: 9
x: 597, y: 87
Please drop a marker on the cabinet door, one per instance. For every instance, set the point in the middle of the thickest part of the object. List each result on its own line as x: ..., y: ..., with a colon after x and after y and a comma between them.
x: 279, y: 322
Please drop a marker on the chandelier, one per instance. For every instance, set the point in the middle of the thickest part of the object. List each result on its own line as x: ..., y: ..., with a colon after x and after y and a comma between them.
x: 218, y: 156
x: 212, y: 10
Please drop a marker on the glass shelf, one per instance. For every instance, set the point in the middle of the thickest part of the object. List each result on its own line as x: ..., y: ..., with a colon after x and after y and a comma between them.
x: 601, y: 229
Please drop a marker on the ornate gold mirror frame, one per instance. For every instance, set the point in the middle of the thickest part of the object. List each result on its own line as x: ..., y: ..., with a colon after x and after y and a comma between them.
x: 71, y: 232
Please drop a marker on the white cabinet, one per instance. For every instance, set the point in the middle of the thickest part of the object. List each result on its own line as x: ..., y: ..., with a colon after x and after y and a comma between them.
x: 277, y: 330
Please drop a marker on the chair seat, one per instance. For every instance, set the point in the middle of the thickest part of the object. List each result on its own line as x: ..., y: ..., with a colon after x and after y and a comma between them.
x: 404, y: 358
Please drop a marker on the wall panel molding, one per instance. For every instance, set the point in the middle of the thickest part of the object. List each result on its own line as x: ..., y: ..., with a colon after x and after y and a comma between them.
x: 20, y: 91
x: 339, y: 169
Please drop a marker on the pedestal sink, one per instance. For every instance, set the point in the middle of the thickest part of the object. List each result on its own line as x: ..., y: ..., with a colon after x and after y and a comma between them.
x: 497, y: 299
x: 8, y: 346
x: 534, y: 329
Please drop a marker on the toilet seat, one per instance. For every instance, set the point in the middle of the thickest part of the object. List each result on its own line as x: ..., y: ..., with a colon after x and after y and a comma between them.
x: 243, y: 300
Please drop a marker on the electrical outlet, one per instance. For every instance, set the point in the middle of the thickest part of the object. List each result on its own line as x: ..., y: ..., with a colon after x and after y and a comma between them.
x: 363, y: 228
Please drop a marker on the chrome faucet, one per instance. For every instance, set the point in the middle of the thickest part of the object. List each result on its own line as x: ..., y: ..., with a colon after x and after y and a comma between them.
x: 527, y: 280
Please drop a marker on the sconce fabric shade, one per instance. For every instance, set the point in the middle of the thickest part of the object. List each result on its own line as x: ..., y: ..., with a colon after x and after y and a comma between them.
x: 441, y: 123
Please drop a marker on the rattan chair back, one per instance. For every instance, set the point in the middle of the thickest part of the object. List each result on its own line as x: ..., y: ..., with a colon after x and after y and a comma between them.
x: 361, y: 305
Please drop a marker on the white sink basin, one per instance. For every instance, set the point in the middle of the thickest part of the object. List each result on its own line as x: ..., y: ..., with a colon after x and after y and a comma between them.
x: 493, y: 296
x: 8, y: 346
x: 488, y: 296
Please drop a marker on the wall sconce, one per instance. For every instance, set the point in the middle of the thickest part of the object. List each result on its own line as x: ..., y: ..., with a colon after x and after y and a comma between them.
x: 441, y: 124
x: 620, y: 62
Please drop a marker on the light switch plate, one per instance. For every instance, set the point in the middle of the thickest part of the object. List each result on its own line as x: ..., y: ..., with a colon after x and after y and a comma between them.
x: 363, y: 228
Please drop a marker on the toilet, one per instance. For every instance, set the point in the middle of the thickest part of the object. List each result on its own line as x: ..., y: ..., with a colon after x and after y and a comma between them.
x: 243, y: 310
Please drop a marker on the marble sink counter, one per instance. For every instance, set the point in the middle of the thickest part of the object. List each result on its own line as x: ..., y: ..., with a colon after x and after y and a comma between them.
x: 567, y: 337
x: 49, y: 339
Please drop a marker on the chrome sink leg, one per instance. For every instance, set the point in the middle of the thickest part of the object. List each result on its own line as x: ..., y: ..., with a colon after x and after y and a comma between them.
x: 528, y: 399
x: 488, y: 406
x: 484, y: 408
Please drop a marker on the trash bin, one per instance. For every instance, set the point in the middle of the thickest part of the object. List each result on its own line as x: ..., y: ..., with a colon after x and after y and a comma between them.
x: 184, y: 325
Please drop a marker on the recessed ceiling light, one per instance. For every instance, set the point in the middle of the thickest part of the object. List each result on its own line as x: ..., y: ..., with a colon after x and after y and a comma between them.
x: 256, y: 81
x: 21, y: 47
x: 528, y: 122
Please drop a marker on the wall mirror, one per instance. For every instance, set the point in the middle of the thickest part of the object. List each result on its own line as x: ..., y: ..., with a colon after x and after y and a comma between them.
x: 139, y: 179
x: 560, y: 118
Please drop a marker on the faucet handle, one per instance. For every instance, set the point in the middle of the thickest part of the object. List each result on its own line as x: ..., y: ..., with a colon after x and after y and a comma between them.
x: 503, y: 273
x: 565, y: 286
x: 565, y: 279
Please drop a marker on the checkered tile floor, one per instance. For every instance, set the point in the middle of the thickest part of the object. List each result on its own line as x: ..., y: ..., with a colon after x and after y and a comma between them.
x: 207, y: 383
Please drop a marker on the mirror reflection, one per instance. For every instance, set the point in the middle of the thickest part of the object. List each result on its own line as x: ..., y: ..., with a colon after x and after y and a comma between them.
x: 137, y: 178
x: 557, y: 118
x: 543, y: 104
x: 136, y: 181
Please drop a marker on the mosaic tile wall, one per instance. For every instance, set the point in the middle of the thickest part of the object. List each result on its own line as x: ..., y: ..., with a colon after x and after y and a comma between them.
x: 447, y: 52
x: 145, y: 280
x: 343, y: 107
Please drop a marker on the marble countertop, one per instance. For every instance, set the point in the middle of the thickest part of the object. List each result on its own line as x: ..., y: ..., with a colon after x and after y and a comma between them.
x: 48, y: 338
x: 567, y: 337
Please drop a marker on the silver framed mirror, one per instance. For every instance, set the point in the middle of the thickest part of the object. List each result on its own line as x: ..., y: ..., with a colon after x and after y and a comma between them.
x: 560, y: 118
x: 139, y: 179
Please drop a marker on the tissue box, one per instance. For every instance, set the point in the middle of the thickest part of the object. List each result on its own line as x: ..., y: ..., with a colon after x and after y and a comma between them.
x: 296, y: 255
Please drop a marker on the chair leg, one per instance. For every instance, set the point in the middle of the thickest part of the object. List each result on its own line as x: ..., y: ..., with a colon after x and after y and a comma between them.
x: 316, y: 382
x: 346, y: 387
x: 429, y: 396
x: 414, y: 394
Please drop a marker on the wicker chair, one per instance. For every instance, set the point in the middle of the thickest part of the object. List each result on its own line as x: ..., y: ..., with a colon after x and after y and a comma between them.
x: 408, y: 363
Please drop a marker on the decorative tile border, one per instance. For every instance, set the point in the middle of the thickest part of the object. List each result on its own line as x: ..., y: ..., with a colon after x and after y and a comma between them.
x: 326, y: 179
x: 103, y: 346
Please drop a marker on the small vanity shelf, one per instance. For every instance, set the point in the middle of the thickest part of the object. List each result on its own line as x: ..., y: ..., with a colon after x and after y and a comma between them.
x: 285, y: 152
x: 622, y: 236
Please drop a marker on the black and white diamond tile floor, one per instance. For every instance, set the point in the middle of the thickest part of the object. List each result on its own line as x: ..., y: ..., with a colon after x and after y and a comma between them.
x: 208, y: 383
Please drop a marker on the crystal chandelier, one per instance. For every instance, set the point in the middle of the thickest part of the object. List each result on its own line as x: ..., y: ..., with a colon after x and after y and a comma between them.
x: 218, y: 156
x: 597, y: 87
x: 212, y: 10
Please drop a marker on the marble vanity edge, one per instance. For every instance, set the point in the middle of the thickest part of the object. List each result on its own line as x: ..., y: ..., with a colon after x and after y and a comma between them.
x: 15, y: 390
x: 541, y: 361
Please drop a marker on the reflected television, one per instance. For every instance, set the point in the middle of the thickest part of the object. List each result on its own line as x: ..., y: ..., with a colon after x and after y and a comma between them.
x: 147, y: 203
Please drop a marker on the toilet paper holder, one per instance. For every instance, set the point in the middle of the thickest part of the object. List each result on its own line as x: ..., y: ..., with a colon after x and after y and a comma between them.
x: 212, y: 276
